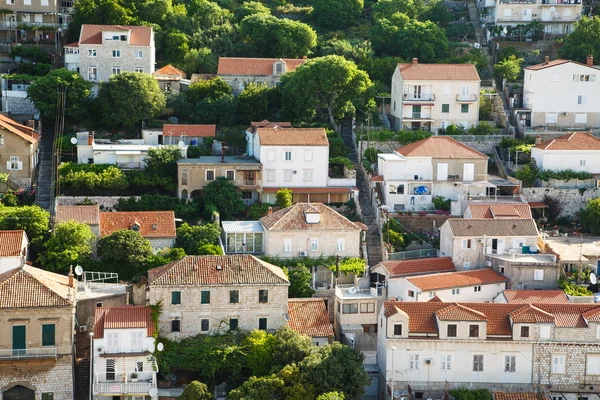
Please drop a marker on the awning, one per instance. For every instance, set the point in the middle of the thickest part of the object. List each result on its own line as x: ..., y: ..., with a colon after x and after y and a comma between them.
x: 480, y: 184
x: 537, y: 204
x: 130, y: 153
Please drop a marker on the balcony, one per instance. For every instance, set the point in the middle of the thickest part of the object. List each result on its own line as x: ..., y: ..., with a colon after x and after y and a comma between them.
x: 248, y: 182
x: 417, y: 116
x: 19, y: 354
x: 408, y: 97
x: 466, y: 98
x: 123, y: 388
x: 560, y: 3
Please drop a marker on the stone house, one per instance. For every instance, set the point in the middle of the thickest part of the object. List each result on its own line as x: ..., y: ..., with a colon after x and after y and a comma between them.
x: 193, y: 135
x: 532, y: 297
x: 470, y: 241
x: 19, y: 152
x: 37, y: 322
x: 34, y: 21
x: 14, y: 249
x: 527, y: 271
x: 310, y: 317
x: 156, y: 226
x: 209, y: 294
x: 169, y: 78
x: 85, y: 214
x: 497, y: 211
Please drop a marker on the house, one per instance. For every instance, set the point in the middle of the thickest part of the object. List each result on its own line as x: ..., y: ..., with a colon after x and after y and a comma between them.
x: 14, y: 249
x: 432, y: 97
x: 297, y: 159
x: 189, y: 134
x: 239, y: 72
x: 85, y: 214
x: 437, y: 346
x: 526, y: 271
x: 310, y: 317
x: 14, y: 96
x: 560, y: 94
x: 169, y: 78
x: 267, y: 124
x: 193, y: 174
x: 37, y: 322
x: 480, y: 285
x: 469, y: 241
x: 123, y: 343
x: 387, y: 271
x: 532, y: 297
x: 208, y: 294
x: 575, y: 253
x: 520, y: 396
x: 578, y: 151
x: 38, y: 22
x: 497, y: 211
x: 104, y: 50
x: 414, y: 174
x: 243, y: 237
x: 156, y: 226
x: 19, y: 152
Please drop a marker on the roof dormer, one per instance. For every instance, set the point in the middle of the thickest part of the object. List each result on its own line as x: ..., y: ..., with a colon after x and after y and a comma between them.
x: 115, y: 36
x: 312, y: 215
x: 279, y: 67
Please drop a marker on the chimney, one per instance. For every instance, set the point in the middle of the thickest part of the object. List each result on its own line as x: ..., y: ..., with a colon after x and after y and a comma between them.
x: 590, y: 60
x: 538, y: 140
x: 304, y: 57
x: 546, y: 60
x: 270, y: 211
x: 71, y: 282
x: 415, y: 60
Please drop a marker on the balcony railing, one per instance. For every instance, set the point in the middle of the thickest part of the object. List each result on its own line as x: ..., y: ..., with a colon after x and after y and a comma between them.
x: 248, y: 182
x: 560, y: 3
x: 129, y: 165
x: 418, y: 97
x: 43, y: 352
x: 118, y: 388
x: 466, y: 98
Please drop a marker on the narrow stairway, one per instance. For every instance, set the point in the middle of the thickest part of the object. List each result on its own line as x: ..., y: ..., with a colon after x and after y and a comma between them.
x: 45, y: 179
x: 82, y: 375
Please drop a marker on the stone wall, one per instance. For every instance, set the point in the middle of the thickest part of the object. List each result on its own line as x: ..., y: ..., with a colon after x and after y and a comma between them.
x: 18, y: 105
x: 571, y: 200
x: 106, y: 203
x: 417, y: 223
x: 58, y: 379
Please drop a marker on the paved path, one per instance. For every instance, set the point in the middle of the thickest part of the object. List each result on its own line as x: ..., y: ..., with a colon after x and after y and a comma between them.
x: 45, y: 179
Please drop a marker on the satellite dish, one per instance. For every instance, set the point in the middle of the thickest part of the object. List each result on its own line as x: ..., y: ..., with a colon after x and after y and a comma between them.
x: 151, y: 347
x: 353, y: 290
x: 552, y: 9
x: 78, y: 270
x: 73, y: 140
x: 593, y: 278
x: 153, y: 392
x: 181, y: 143
x: 160, y: 347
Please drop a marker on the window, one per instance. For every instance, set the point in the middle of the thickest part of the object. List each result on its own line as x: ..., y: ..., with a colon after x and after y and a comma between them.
x: 137, y: 341
x: 582, y: 163
x: 314, y: 244
x: 455, y: 291
x: 263, y: 296
x: 110, y: 370
x: 234, y: 296
x: 184, y: 177
x: 116, y: 37
x: 397, y: 329
x: 262, y: 324
x: 278, y: 68
x: 501, y: 269
x: 341, y: 244
x: 287, y: 175
x: 477, y: 362
x: 116, y: 53
x: 350, y: 308
x: 446, y: 89
x: 464, y: 108
x: 308, y: 175
x: 414, y: 362
x: 233, y: 323
x: 477, y: 289
x: 466, y: 265
x: 432, y: 294
x: 138, y: 54
x: 176, y: 297
x: 14, y: 164
x: 466, y: 243
x: 288, y: 156
x: 367, y: 307
x: 580, y: 118
x: 205, y: 297
x: 175, y: 325
x: 48, y: 396
x: 308, y: 155
x: 204, y: 325
x: 446, y: 362
x: 584, y: 78
x: 287, y: 245
x: 48, y: 335
x: 99, y: 304
x: 10, y: 2
x: 140, y: 70
x: 411, y: 293
x: 593, y: 364
x: 558, y: 364
x: 545, y: 332
x: 112, y: 342
x: 270, y: 175
x: 230, y: 175
x: 92, y: 74
x: 451, y: 330
x: 1, y: 140
x: 473, y: 330
x: 139, y: 366
x: 538, y: 274
x: 210, y: 175
x: 581, y: 100
x: 551, y: 118
x: 445, y: 108
x: 510, y: 363
x: 116, y: 70
x: 44, y: 3
x: 525, y: 331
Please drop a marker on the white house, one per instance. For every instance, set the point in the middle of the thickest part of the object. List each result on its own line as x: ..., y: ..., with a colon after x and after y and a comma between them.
x: 14, y: 247
x: 578, y: 151
x: 122, y: 354
x: 480, y: 285
x: 414, y: 174
x: 561, y: 94
x: 433, y: 96
x: 469, y: 241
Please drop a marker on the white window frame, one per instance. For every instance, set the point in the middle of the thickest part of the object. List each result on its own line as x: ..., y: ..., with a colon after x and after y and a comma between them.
x: 581, y: 100
x: 598, y: 332
x: 287, y: 245
x: 510, y: 363
x: 206, y: 175
x: 455, y: 291
x: 592, y: 362
x: 270, y: 175
x: 287, y: 175
x: 14, y: 164
x: 138, y: 54
x: 92, y: 53
x: 414, y: 362
x: 538, y: 274
x: 94, y: 76
x: 477, y: 289
x: 138, y: 69
x: 482, y: 362
x: 116, y: 54
x: 308, y: 175
x: 287, y: 156
x: 446, y: 362
x: 137, y: 342
x: 270, y: 155
x: 467, y: 244
x: 508, y: 12
x: 558, y: 368
x: 308, y: 155
x: 206, y: 330
x: 314, y: 244
x: 227, y: 174
x: 341, y: 244
x: 581, y: 118
x: 44, y: 3
x: 582, y: 163
x: 551, y: 118
x: 116, y: 70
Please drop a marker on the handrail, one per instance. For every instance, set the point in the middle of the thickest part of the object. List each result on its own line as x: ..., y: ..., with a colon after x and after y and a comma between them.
x: 41, y: 352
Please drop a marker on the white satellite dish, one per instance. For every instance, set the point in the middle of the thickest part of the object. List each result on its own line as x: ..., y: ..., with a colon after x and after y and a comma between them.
x: 73, y: 140
x: 151, y: 347
x: 160, y: 347
x: 353, y: 290
x: 593, y: 278
x: 153, y: 392
x: 78, y: 270
x: 181, y: 143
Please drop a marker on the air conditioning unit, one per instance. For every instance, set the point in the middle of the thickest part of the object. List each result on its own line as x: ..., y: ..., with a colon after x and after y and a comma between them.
x: 488, y: 263
x: 83, y: 328
x: 302, y: 253
x: 479, y: 240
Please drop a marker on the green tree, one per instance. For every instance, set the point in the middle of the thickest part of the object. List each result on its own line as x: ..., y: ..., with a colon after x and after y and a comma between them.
x: 196, y: 391
x: 174, y: 46
x: 467, y: 394
x: 32, y: 219
x: 589, y: 217
x: 253, y: 102
x: 192, y: 238
x: 69, y: 244
x: 125, y: 252
x: 259, y: 210
x: 200, y: 60
x: 251, y: 8
x: 263, y: 388
x: 337, y: 14
x: 259, y: 348
x: 509, y: 68
x: 162, y: 161
x: 584, y: 40
x: 283, y: 198
x: 290, y: 347
x: 211, y: 250
x: 99, y: 12
x: 44, y: 93
x: 224, y: 196
x: 331, y: 83
x: 128, y: 98
x: 300, y: 282
x: 207, y: 89
x: 332, y: 396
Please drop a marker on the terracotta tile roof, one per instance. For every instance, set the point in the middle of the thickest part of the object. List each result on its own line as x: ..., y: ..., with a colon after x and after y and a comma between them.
x: 87, y: 214
x: 439, y: 72
x: 189, y: 130
x: 535, y: 296
x: 537, y: 204
x: 153, y: 224
x: 500, y: 211
x: 293, y: 219
x: 312, y: 190
x: 169, y: 70
x: 22, y: 131
x: 377, y: 178
x: 592, y: 315
x: 309, y: 317
x: 418, y: 266
x: 123, y: 317
x: 11, y: 243
x: 435, y: 299
x: 552, y: 63
x: 202, y: 270
x: 74, y: 44
x: 458, y: 312
x: 520, y: 396
x: 572, y: 141
x: 254, y: 66
x: 33, y: 287
x: 292, y: 137
x: 492, y: 228
x: 92, y: 34
x: 268, y: 124
x: 447, y: 280
x: 439, y: 147
x: 529, y: 313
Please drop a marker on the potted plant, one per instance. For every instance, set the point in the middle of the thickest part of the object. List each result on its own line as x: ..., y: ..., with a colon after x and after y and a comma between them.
x: 134, y: 377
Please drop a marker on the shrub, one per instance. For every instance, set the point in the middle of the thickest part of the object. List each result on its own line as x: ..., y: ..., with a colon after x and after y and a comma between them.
x: 259, y: 210
x: 371, y: 154
x: 10, y: 199
x: 284, y: 198
x: 440, y: 203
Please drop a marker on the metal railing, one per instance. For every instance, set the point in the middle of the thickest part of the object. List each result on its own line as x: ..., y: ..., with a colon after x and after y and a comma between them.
x: 370, y: 359
x: 418, y: 97
x: 248, y: 182
x: 466, y: 98
x: 412, y: 254
x: 123, y: 387
x: 129, y: 165
x: 42, y: 352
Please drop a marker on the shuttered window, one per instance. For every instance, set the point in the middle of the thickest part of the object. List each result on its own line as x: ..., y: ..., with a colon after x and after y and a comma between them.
x: 48, y: 335
x: 593, y: 364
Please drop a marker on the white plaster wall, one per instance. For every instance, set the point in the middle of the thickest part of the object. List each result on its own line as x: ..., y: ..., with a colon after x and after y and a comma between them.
x: 319, y: 165
x: 563, y: 159
x: 274, y: 243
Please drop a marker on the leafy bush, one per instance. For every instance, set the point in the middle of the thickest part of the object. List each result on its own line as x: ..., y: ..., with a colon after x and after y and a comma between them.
x: 284, y: 198
x: 402, y: 137
x: 342, y: 161
x: 467, y: 394
x: 590, y: 216
x: 259, y: 210
x: 9, y: 199
x: 371, y: 154
x: 337, y: 147
x: 210, y: 250
x: 300, y: 282
x: 572, y: 289
x: 565, y: 175
x: 352, y: 265
x: 193, y: 238
x: 441, y: 203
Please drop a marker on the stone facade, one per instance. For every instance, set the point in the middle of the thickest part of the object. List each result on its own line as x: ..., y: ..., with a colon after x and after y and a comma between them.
x: 57, y: 379
x: 161, y: 243
x: 571, y: 200
x: 18, y: 105
x: 106, y: 203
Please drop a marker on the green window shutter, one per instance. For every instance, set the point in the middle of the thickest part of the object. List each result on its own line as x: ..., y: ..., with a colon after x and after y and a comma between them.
x: 205, y: 297
x: 48, y: 335
x: 47, y: 396
x: 176, y: 297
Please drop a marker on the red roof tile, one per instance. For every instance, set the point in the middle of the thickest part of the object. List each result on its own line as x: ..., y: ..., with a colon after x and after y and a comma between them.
x: 33, y: 287
x: 254, y: 66
x: 418, y: 266
x: 293, y: 218
x: 152, y: 224
x: 529, y: 313
x: 377, y: 178
x: 439, y: 147
x: 309, y: 317
x: 571, y: 141
x: 292, y: 137
x: 92, y: 34
x: 520, y: 396
x: 74, y: 44
x: 535, y: 296
x: 22, y: 131
x: 123, y: 317
x: 500, y: 211
x: 87, y: 214
x: 189, y: 130
x: 268, y: 124
x: 439, y: 72
x: 11, y: 243
x: 169, y: 70
x: 458, y: 312
x: 553, y: 63
x: 492, y: 227
x: 485, y: 276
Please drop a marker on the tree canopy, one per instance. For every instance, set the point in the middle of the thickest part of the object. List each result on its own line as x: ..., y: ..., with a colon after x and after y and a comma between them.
x: 192, y: 238
x: 584, y: 40
x: 224, y: 196
x: 509, y: 68
x: 125, y: 252
x: 69, y: 244
x: 589, y: 217
x: 32, y: 219
x: 196, y: 391
x: 337, y: 13
x: 162, y: 161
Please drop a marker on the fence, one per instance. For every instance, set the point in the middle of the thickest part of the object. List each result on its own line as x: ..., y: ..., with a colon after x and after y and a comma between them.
x: 412, y: 254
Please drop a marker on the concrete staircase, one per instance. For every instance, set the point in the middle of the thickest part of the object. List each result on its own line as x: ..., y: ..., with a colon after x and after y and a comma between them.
x: 82, y: 375
x: 45, y: 179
